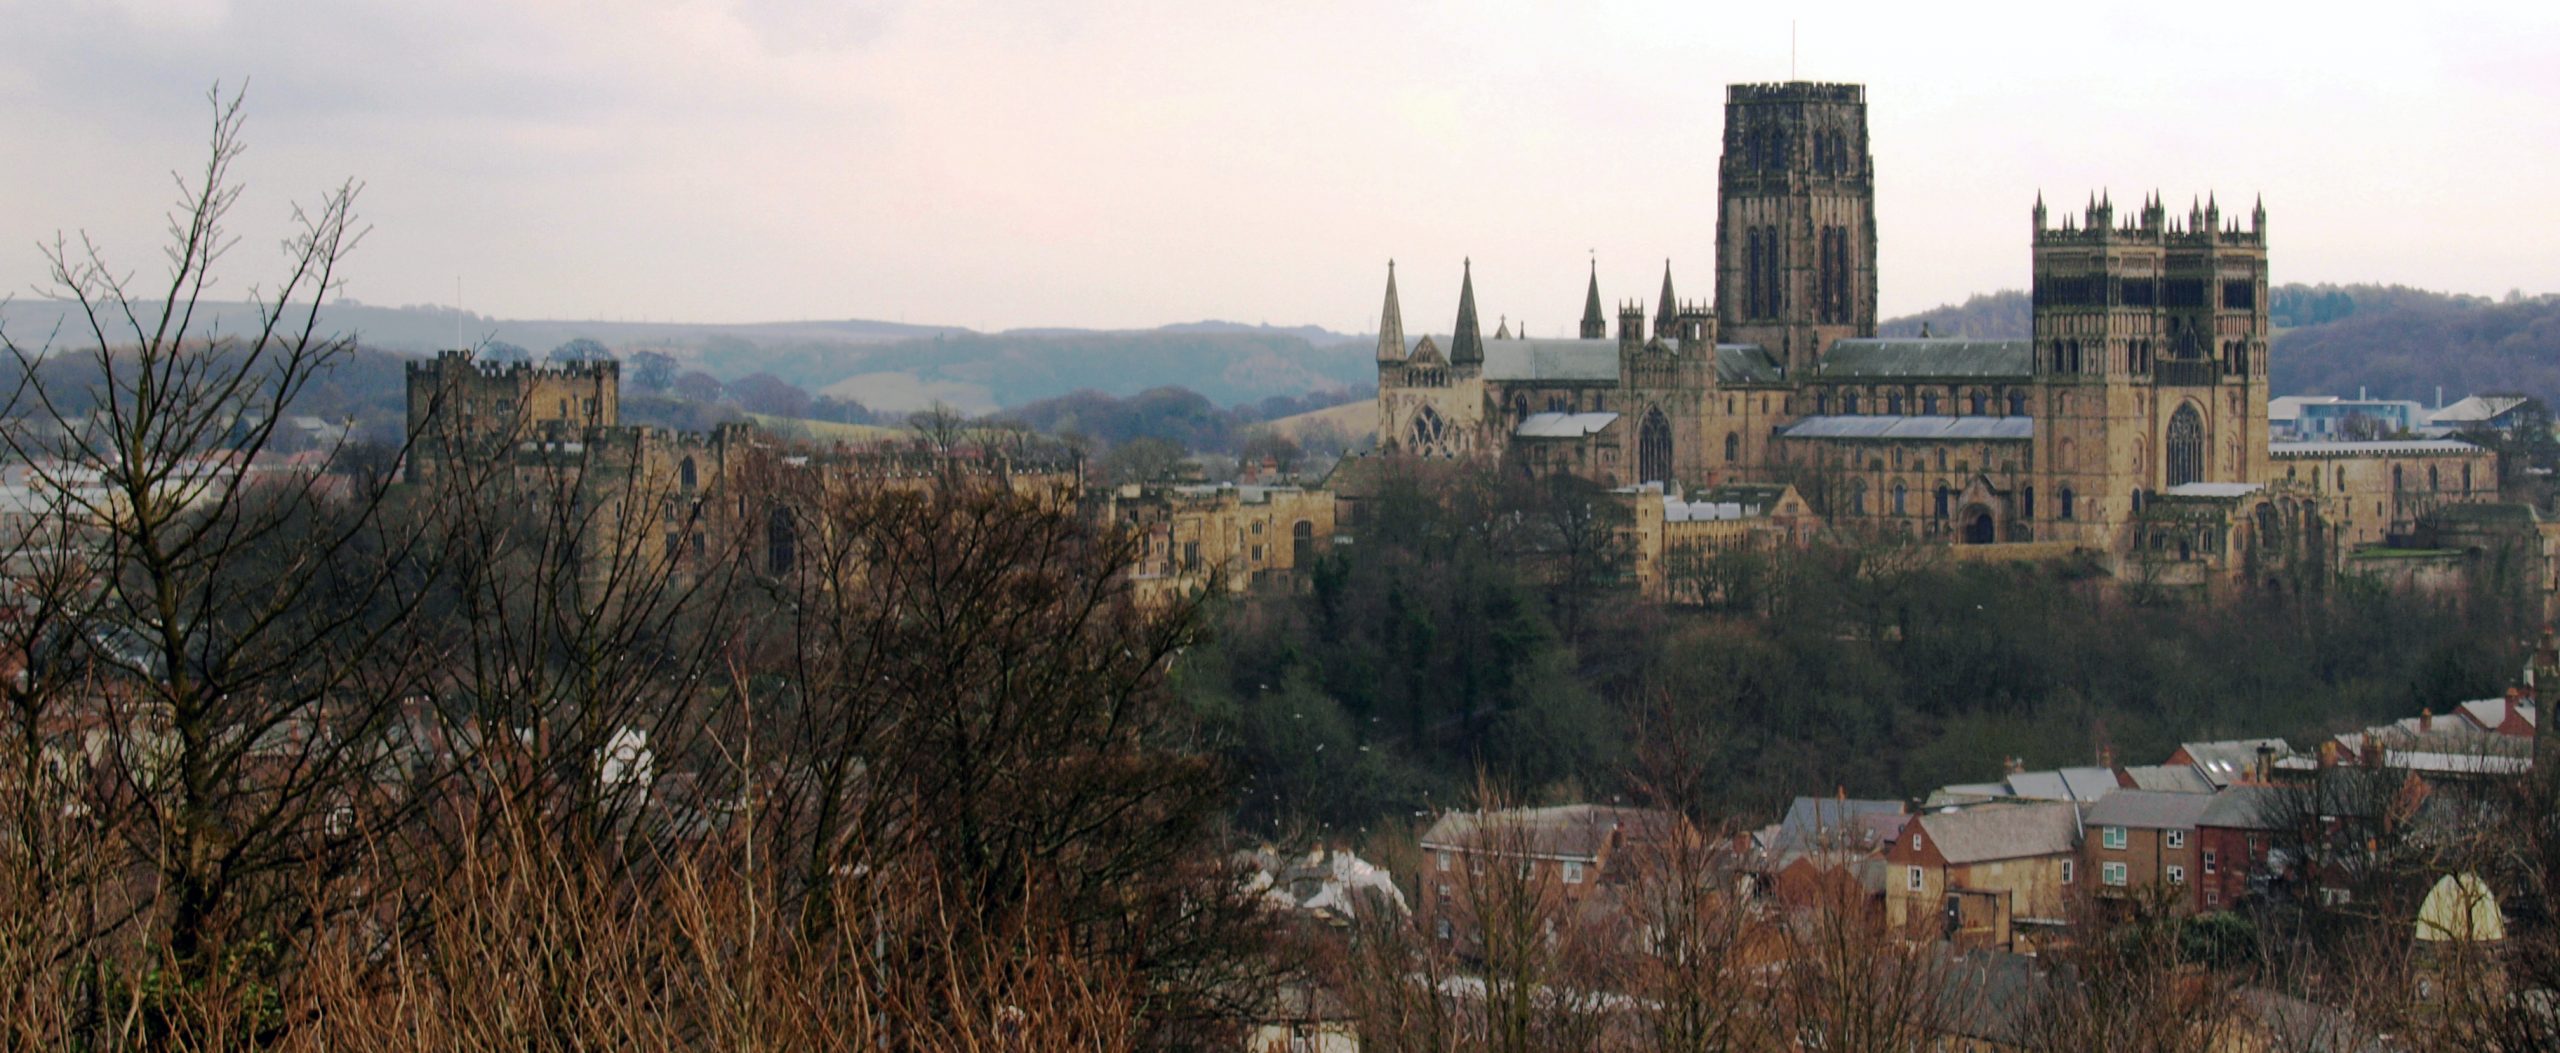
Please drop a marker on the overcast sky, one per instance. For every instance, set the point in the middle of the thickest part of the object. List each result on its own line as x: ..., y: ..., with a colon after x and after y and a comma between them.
x: 1045, y: 162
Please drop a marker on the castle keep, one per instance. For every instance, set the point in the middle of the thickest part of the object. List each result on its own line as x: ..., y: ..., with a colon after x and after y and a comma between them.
x: 2133, y: 424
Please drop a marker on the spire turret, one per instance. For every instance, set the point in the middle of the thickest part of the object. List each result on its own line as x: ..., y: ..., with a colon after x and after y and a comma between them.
x: 1391, y: 323
x: 1466, y: 342
x: 1595, y: 326
x: 1667, y: 313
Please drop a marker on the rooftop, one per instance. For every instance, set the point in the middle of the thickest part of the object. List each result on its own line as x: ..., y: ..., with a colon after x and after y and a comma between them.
x: 1888, y: 428
x: 1896, y: 359
x: 2004, y: 831
x: 2368, y: 449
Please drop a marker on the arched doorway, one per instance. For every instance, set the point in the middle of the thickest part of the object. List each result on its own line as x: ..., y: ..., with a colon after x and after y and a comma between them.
x: 2186, y: 445
x: 1653, y: 449
x: 1978, y: 528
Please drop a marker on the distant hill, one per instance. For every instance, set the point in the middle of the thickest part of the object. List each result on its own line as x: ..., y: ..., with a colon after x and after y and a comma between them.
x: 2388, y: 341
x: 2003, y: 315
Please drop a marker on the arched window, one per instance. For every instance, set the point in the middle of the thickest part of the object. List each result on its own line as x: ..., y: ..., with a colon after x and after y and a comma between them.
x: 2017, y: 404
x: 1555, y: 402
x: 1653, y: 449
x: 2027, y: 503
x: 1893, y: 403
x: 1974, y: 404
x: 1427, y: 429
x: 2342, y: 478
x: 1302, y: 544
x: 1849, y: 402
x: 2431, y: 479
x: 685, y: 474
x: 2186, y: 446
x: 2395, y: 479
x: 1732, y: 447
x: 2466, y: 478
x: 781, y: 541
x: 1858, y: 497
x: 2069, y: 503
x: 1929, y: 404
x: 1520, y: 406
x: 1898, y: 495
x: 1821, y: 403
x: 1943, y: 497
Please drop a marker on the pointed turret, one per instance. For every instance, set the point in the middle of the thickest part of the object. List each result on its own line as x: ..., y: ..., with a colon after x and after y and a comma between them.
x: 1666, y: 315
x: 1391, y: 323
x: 2258, y: 216
x: 1466, y: 342
x: 1502, y: 329
x: 2039, y: 211
x: 1595, y: 326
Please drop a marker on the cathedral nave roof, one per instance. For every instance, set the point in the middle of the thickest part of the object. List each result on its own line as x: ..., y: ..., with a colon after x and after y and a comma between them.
x: 1908, y: 428
x: 1905, y: 359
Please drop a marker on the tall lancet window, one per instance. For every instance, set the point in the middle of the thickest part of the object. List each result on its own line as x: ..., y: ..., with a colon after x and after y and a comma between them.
x: 1653, y: 449
x: 2186, y: 446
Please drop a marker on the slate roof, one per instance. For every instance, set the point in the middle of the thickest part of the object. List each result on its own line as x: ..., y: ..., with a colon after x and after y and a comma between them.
x: 2248, y: 808
x: 1563, y: 425
x: 1573, y: 831
x: 1899, y: 359
x: 1882, y: 427
x: 2368, y: 449
x: 2004, y: 831
x: 2230, y: 760
x: 1831, y: 822
x: 2168, y: 778
x: 1560, y: 361
x: 2149, y: 810
x: 2491, y: 712
x: 1747, y: 364
x: 2476, y: 409
x: 2212, y: 490
x: 2066, y: 784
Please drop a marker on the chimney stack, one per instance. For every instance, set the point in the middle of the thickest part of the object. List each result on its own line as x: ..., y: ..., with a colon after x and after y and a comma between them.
x: 2426, y: 721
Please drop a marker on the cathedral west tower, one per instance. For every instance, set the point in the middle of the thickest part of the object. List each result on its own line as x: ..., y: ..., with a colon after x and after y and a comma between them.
x: 1795, y: 220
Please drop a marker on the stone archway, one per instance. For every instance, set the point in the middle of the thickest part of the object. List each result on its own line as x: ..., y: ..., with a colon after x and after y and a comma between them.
x: 1979, y: 528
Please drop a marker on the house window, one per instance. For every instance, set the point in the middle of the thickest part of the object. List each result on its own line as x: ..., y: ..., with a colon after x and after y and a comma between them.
x: 2209, y: 861
x: 1911, y: 878
x: 1919, y: 841
x: 1443, y: 928
x: 2112, y: 874
x: 1572, y: 873
x: 1257, y: 528
x: 2177, y: 874
x: 1443, y: 857
x: 2177, y: 839
x: 2114, y: 837
x: 2212, y: 896
x: 1257, y: 553
x: 2067, y: 871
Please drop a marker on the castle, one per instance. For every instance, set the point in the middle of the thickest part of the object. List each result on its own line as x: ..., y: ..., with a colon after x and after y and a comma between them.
x: 2132, y: 426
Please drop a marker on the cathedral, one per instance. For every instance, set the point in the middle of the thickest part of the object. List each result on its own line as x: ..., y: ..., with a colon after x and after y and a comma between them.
x: 2132, y: 425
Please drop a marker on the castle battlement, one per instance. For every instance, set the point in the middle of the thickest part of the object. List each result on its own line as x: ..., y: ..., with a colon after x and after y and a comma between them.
x: 2203, y: 226
x: 1796, y: 91
x: 461, y: 359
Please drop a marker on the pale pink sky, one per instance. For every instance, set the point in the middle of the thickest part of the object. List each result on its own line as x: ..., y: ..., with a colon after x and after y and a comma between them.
x: 1041, y: 162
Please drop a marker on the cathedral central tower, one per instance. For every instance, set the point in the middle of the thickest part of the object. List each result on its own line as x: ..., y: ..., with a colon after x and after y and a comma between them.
x: 1795, y: 220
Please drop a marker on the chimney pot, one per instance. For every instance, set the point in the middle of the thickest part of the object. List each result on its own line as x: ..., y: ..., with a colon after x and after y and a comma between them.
x: 2426, y: 720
